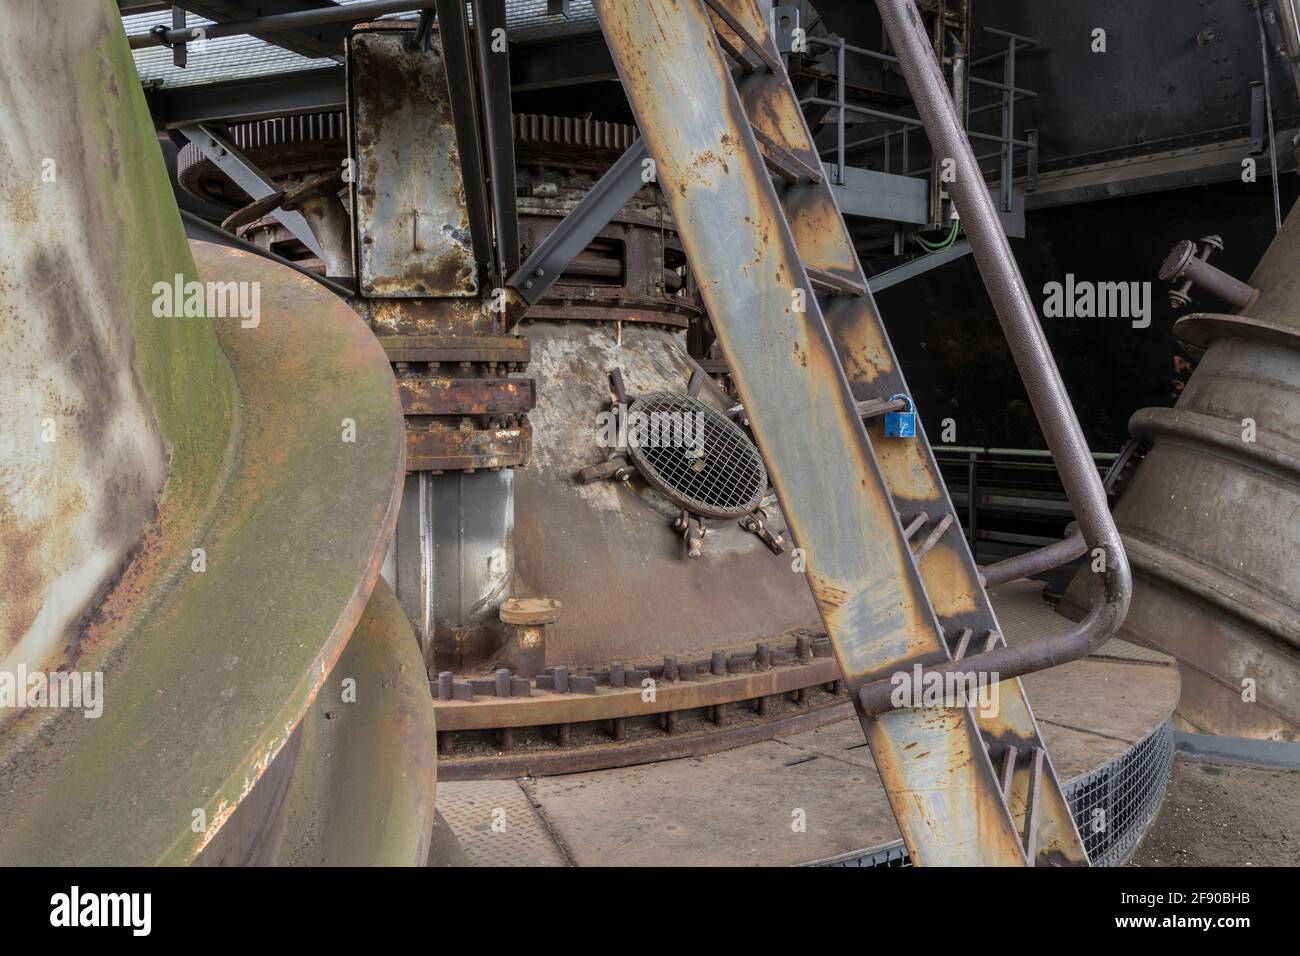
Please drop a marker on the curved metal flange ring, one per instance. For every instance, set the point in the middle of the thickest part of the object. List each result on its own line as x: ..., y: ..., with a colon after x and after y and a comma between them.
x: 363, y: 785
x: 1201, y: 328
x: 207, y: 675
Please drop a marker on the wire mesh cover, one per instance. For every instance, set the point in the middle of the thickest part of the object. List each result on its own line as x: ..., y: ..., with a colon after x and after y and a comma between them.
x: 1111, y: 806
x: 695, y: 455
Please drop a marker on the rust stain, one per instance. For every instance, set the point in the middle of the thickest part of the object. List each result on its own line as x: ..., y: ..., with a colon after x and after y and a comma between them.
x: 859, y: 340
x: 905, y: 466
x: 947, y: 582
x: 829, y: 596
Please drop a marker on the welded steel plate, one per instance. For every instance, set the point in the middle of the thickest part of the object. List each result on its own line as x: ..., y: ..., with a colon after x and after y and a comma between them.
x: 414, y: 236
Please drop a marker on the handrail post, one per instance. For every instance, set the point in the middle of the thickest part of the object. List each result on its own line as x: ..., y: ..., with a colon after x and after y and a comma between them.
x: 1008, y: 124
x: 839, y: 98
x: 972, y: 503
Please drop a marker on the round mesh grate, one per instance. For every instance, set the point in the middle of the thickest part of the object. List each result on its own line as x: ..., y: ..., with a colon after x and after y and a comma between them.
x: 695, y: 455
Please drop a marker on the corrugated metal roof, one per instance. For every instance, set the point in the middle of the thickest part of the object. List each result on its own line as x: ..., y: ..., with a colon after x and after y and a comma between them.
x: 232, y: 58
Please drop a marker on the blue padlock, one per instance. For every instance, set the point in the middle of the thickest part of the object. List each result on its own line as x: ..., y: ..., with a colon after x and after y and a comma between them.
x: 901, y: 424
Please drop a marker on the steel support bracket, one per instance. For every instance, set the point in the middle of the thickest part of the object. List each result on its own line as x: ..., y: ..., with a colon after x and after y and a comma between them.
x: 227, y: 157
x: 601, y: 203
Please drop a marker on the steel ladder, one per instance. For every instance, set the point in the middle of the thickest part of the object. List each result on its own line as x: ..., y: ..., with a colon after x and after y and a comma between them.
x: 889, y: 568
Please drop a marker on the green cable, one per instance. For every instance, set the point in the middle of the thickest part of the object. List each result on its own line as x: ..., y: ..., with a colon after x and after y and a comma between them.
x: 946, y: 243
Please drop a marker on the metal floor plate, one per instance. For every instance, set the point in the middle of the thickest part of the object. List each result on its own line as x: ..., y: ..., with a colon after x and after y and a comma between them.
x: 735, y: 807
x: 496, y: 824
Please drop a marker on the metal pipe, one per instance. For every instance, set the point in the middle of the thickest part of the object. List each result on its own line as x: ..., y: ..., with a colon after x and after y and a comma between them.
x: 1268, y: 110
x: 1214, y: 280
x: 1291, y: 33
x: 1034, y: 562
x: 275, y: 23
x: 862, y: 51
x: 839, y: 116
x: 1033, y: 357
x: 940, y: 450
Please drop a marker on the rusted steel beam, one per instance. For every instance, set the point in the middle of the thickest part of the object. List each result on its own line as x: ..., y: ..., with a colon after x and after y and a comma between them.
x: 562, y: 249
x: 949, y: 573
x: 413, y: 211
x: 939, y: 776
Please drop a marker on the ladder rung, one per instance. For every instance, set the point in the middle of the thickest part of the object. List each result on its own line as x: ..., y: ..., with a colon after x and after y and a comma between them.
x: 735, y: 52
x: 963, y: 642
x: 830, y: 282
x: 916, y: 524
x: 1008, y: 770
x: 1031, y: 811
x: 875, y: 407
x: 933, y: 538
x: 783, y: 162
x: 749, y: 39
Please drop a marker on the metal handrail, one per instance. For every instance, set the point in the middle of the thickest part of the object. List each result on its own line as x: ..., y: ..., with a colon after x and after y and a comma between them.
x: 1042, y: 559
x: 1034, y: 562
x: 293, y: 20
x: 1006, y: 103
x: 940, y: 450
x: 1033, y: 356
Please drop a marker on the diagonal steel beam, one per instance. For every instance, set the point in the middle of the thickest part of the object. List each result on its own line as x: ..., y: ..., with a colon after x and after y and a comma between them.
x: 918, y: 266
x: 948, y: 572
x: 249, y: 178
x: 453, y: 32
x: 576, y: 230
x: 859, y: 566
x: 498, y: 127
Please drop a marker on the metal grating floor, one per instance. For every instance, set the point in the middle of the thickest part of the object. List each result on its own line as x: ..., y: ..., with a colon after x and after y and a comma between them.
x: 1112, y: 806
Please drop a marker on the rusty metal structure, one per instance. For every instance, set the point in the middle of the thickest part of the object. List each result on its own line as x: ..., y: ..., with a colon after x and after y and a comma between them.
x: 179, y: 477
x: 1206, y: 517
x: 476, y: 529
x: 423, y: 497
x: 826, y: 468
